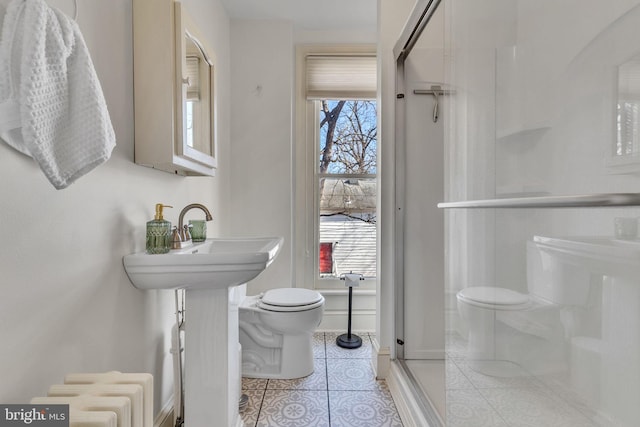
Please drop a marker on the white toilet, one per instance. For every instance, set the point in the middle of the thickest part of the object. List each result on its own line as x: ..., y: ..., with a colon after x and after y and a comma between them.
x: 522, y: 329
x: 276, y: 332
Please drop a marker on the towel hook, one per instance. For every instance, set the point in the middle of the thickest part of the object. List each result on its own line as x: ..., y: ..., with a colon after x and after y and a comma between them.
x: 75, y: 10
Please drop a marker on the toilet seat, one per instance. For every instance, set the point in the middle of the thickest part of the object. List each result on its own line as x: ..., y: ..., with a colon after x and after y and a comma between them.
x: 494, y: 298
x: 290, y: 299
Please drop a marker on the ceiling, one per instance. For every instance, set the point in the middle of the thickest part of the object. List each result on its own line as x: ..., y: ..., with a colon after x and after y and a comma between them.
x: 309, y: 14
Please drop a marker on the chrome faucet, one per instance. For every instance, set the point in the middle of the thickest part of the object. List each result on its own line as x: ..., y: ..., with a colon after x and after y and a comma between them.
x: 181, y: 234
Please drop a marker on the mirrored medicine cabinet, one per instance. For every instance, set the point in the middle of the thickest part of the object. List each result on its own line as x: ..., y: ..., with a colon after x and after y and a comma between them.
x: 174, y: 90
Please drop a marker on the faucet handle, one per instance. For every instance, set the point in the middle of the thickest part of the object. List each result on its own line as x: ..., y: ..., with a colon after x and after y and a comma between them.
x: 175, y: 238
x: 186, y: 234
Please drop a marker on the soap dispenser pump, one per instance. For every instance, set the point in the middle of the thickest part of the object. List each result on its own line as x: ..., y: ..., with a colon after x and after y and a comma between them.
x: 159, y: 232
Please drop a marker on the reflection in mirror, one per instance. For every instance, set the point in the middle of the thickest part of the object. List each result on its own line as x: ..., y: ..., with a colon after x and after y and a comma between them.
x: 627, y: 145
x: 198, y: 131
x: 195, y: 62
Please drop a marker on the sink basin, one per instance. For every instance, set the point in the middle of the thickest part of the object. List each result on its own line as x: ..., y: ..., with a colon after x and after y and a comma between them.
x: 595, y: 254
x: 212, y: 264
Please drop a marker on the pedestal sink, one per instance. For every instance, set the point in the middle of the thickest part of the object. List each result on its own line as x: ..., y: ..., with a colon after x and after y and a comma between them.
x: 209, y: 272
x: 606, y: 355
x: 214, y: 263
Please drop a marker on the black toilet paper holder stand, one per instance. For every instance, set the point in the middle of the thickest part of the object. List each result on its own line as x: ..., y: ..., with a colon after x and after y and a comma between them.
x: 349, y: 340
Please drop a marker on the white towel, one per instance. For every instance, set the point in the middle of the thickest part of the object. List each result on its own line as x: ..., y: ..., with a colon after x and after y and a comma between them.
x: 51, y: 105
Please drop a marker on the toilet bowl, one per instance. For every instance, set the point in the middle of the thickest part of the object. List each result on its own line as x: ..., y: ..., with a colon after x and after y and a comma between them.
x: 511, y: 333
x: 478, y: 307
x: 276, y: 332
x: 508, y: 327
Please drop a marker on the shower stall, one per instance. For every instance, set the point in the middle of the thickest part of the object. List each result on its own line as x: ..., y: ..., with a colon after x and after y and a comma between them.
x: 540, y: 142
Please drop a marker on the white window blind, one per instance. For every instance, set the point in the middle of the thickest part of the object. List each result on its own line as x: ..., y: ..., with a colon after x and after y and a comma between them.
x: 193, y: 74
x: 340, y: 77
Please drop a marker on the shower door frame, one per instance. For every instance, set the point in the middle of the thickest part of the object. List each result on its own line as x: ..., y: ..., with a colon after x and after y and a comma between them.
x: 422, y: 13
x: 420, y: 16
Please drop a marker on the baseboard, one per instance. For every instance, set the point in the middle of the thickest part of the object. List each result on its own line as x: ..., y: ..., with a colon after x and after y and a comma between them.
x: 165, y: 416
x: 407, y: 405
x: 337, y: 321
x: 336, y: 313
x: 380, y: 359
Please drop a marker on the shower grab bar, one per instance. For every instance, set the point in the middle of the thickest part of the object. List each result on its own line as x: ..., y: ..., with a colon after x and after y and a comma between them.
x: 575, y: 201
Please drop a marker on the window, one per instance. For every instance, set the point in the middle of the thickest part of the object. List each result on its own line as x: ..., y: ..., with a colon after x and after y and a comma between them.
x: 346, y: 185
x: 628, y: 134
x: 624, y: 153
x: 336, y: 225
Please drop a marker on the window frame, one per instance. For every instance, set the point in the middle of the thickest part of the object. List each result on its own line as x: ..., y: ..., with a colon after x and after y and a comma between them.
x: 307, y: 176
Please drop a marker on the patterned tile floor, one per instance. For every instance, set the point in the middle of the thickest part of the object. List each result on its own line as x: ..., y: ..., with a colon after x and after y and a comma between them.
x: 341, y: 392
x: 477, y: 400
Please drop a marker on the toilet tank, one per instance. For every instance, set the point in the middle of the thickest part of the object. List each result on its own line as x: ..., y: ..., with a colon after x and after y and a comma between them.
x: 552, y: 278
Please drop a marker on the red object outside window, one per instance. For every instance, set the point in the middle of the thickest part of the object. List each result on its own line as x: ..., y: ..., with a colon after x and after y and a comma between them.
x: 326, y: 258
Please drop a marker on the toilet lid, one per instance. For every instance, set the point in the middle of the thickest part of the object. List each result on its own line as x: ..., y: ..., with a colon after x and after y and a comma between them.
x: 290, y: 299
x: 491, y: 295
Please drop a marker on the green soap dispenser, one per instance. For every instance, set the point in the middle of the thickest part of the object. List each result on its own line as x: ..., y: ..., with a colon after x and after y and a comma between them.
x: 159, y: 233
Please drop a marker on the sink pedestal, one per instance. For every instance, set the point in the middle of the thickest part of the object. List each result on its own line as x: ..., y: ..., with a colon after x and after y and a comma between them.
x: 212, y: 362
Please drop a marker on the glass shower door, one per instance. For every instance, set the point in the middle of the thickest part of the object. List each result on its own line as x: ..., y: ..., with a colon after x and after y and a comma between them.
x: 542, y: 183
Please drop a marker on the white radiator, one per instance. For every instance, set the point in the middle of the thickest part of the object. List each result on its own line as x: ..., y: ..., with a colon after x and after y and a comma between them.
x: 110, y: 399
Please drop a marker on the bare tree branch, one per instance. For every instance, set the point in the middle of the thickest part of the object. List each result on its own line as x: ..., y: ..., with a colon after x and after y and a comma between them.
x: 370, y: 219
x: 331, y: 119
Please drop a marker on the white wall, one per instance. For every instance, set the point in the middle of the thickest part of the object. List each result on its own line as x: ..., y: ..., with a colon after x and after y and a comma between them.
x: 261, y: 149
x: 67, y: 304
